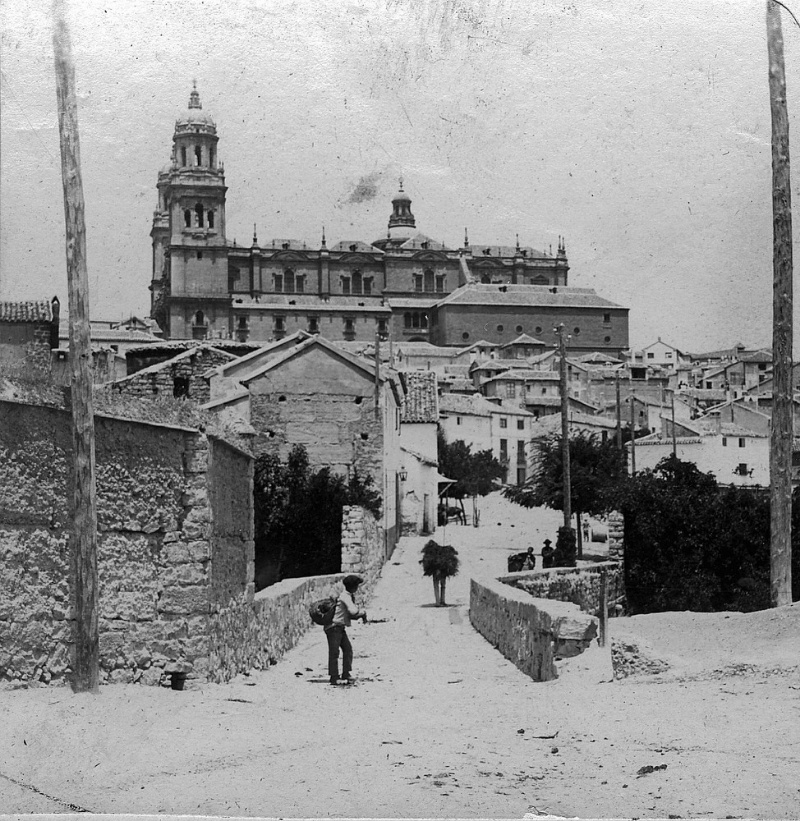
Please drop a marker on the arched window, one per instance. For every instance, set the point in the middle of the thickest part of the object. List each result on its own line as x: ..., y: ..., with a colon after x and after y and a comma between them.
x: 210, y: 218
x: 540, y: 280
x: 199, y: 318
x: 198, y: 155
x: 357, y: 282
x: 288, y: 280
x: 198, y: 213
x: 429, y: 280
x: 187, y: 217
x: 212, y: 156
x: 183, y: 156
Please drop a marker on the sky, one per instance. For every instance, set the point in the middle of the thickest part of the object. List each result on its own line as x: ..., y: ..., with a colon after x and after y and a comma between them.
x: 640, y: 132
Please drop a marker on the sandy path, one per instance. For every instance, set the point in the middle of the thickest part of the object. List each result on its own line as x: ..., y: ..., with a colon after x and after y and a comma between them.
x: 432, y: 730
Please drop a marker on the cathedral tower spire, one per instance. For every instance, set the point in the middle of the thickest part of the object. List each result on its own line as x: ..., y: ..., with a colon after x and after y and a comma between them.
x: 402, y: 223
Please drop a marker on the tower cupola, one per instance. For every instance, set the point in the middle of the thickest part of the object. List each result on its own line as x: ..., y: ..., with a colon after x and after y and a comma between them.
x: 195, y: 137
x: 402, y: 223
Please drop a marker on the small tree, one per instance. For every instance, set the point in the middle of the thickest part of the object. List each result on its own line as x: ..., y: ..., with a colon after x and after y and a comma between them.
x: 475, y: 473
x: 595, y: 467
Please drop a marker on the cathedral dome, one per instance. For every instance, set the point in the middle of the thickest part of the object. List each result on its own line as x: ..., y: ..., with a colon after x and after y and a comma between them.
x: 195, y: 115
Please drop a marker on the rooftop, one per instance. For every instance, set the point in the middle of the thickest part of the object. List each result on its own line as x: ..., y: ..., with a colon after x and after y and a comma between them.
x: 420, y: 403
x: 530, y: 295
x: 29, y: 310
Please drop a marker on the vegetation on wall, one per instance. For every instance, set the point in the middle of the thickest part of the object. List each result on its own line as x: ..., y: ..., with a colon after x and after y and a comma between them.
x: 298, y: 516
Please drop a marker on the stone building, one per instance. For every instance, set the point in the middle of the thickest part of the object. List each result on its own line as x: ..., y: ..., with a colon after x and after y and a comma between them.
x: 403, y: 286
x: 28, y: 332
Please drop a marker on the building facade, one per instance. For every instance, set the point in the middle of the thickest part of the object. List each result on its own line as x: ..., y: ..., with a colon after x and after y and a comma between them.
x: 404, y: 286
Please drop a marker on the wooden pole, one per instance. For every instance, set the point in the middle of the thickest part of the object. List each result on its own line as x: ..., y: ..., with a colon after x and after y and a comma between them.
x: 619, y: 417
x: 633, y: 433
x: 84, y: 536
x: 780, y: 462
x: 567, y: 486
x: 377, y: 375
x: 603, y: 614
x: 674, y: 437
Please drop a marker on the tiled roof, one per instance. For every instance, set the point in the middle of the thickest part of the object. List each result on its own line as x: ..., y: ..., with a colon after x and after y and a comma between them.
x: 186, y: 344
x: 203, y: 348
x: 412, y: 302
x: 30, y: 310
x: 529, y: 295
x: 419, y: 242
x: 506, y: 251
x: 355, y: 246
x: 523, y: 339
x: 458, y: 385
x: 420, y: 401
x: 474, y: 405
x: 552, y: 424
x: 523, y: 374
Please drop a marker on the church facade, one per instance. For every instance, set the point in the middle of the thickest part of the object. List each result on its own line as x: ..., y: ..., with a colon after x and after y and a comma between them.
x: 404, y: 286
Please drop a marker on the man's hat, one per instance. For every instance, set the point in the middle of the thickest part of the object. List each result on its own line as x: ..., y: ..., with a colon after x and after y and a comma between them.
x: 352, y: 580
x: 547, y: 541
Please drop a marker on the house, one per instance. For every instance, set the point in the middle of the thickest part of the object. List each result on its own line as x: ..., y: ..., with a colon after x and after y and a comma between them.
x: 660, y: 354
x: 344, y: 411
x: 735, y: 455
x: 28, y: 333
x: 523, y: 347
x: 183, y: 376
x: 419, y: 461
x: 483, y: 425
x: 600, y: 426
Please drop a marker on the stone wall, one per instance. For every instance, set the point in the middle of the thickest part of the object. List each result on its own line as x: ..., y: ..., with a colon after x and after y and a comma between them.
x: 161, y: 528
x: 248, y: 635
x: 579, y: 585
x: 529, y: 632
x: 363, y: 550
x: 160, y: 379
x: 616, y: 537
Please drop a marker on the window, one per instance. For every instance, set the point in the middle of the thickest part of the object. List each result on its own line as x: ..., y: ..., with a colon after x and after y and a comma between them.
x: 576, y: 331
x: 180, y: 387
x: 198, y: 155
x: 349, y: 328
x: 538, y: 329
x: 458, y: 420
x: 198, y: 215
x: 511, y: 390
x: 406, y: 320
x: 440, y: 283
x: 278, y: 278
x: 520, y: 452
x: 367, y: 286
x: 279, y: 324
x: 504, y: 450
x: 668, y: 355
x: 241, y: 329
x: 313, y: 325
x: 540, y: 280
x: 741, y: 441
x: 346, y: 285
x: 187, y: 218
x: 210, y: 218
x: 199, y: 254
x: 606, y: 318
x: 503, y: 422
x: 299, y: 284
x: 651, y: 355
x: 544, y: 391
x: 183, y: 156
x: 724, y: 441
x: 429, y: 280
x: 383, y: 329
x: 212, y: 155
x: 356, y: 280
x: 742, y: 469
x: 465, y: 336
x: 499, y: 329
x: 518, y: 329
x: 607, y: 339
x: 418, y: 283
x: 288, y: 280
x: 520, y: 424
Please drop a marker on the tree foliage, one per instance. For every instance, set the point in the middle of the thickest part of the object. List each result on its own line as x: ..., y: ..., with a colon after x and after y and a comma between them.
x: 595, y: 467
x: 691, y: 544
x: 439, y: 559
x: 298, y: 516
x: 475, y: 473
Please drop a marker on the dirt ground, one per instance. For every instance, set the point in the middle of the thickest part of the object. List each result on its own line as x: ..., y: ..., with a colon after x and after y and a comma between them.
x: 439, y: 724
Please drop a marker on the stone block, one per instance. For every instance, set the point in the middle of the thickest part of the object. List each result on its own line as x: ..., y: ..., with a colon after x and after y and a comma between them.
x: 176, y: 553
x: 185, y: 600
x: 199, y: 550
x: 184, y: 574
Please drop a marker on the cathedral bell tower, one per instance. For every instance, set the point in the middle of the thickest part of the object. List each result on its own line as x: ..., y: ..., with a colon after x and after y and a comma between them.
x: 190, y: 259
x: 402, y: 224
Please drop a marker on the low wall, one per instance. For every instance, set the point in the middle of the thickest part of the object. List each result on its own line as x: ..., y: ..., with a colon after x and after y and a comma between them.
x: 253, y: 635
x: 578, y: 585
x: 363, y: 550
x: 529, y: 632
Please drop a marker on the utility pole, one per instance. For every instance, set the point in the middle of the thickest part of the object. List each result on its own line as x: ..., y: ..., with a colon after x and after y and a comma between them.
x: 633, y: 432
x: 84, y: 536
x: 567, y: 486
x: 619, y: 417
x: 780, y: 462
x: 674, y: 439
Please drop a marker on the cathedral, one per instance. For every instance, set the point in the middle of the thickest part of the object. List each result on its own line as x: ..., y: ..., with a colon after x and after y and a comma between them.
x: 403, y: 286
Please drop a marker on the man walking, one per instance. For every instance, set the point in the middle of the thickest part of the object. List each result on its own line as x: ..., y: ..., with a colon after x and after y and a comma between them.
x: 346, y: 610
